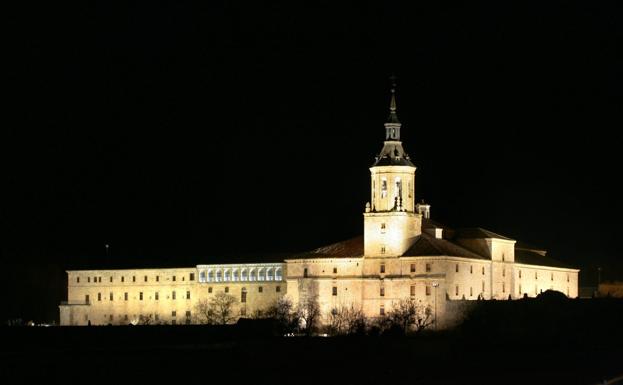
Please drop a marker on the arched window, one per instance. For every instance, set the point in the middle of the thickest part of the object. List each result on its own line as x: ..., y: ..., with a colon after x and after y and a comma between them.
x: 227, y: 276
x: 210, y: 276
x: 278, y: 276
x: 219, y: 276
x: 269, y: 274
x: 244, y: 275
x: 234, y: 276
x: 202, y: 276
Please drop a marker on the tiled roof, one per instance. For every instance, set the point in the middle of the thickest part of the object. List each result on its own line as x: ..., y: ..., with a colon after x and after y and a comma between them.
x: 425, y: 245
x: 477, y: 232
x: 530, y: 257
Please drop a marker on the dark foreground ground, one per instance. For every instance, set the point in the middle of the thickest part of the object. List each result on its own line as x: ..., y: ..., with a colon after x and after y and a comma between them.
x: 498, y: 347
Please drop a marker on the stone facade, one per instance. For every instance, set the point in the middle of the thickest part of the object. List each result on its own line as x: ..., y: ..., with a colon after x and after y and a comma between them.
x: 402, y: 254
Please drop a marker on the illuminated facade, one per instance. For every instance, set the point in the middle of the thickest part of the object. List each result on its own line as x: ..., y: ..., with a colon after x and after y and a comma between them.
x: 403, y: 253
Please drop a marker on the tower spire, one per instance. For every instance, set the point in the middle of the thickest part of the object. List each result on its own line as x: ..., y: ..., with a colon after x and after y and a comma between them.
x: 392, y: 127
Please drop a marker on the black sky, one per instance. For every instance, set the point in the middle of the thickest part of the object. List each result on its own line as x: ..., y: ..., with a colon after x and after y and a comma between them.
x: 183, y: 132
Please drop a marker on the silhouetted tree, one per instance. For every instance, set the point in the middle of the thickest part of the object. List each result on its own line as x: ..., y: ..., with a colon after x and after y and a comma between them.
x: 345, y: 320
x: 308, y: 314
x: 217, y: 311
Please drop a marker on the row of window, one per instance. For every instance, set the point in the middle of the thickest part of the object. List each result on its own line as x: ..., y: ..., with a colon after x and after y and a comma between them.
x: 111, y: 297
x: 243, y: 274
x: 191, y: 277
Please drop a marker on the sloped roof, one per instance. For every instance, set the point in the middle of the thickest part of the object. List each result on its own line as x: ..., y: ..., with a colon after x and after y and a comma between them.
x: 530, y: 257
x: 478, y: 232
x: 350, y: 248
x: 428, y: 245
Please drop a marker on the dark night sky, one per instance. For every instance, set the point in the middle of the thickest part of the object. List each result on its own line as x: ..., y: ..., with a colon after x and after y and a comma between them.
x: 181, y: 133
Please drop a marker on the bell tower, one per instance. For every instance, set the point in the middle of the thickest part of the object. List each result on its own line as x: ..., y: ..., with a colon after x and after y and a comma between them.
x: 391, y: 222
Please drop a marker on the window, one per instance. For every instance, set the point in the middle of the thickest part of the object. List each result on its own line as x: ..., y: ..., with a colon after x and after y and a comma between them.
x: 110, y: 318
x: 173, y: 322
x: 334, y: 290
x: 89, y: 279
x: 409, y: 188
x: 428, y: 268
x: 243, y: 295
x: 188, y: 313
x: 99, y: 296
x: 519, y: 273
x: 382, y: 310
x: 157, y: 278
x: 125, y: 317
x: 260, y: 289
x: 86, y: 298
x: 471, y: 269
x: 456, y: 269
x: 125, y: 296
x: 173, y: 278
x: 413, y: 267
x: 520, y: 289
x: 567, y: 277
x: 502, y: 257
x: 483, y: 270
x: 335, y: 270
x: 140, y: 296
x: 305, y: 273
x: 456, y: 290
x: 192, y: 276
x: 122, y: 278
x: 156, y: 296
x: 145, y: 278
x: 503, y: 272
x: 173, y: 313
x: 471, y: 292
x: 427, y: 290
x: 382, y: 268
x: 382, y: 292
x: 227, y: 289
x: 173, y: 295
x: 552, y: 277
x: 134, y: 278
x: 503, y: 287
x: 383, y: 187
x: 187, y: 294
x: 157, y: 317
x: 210, y: 290
x: 382, y: 228
x: 77, y: 279
x: 278, y: 289
x: 536, y: 275
x: 383, y: 249
x: 412, y: 290
x: 398, y: 188
x: 111, y: 279
x: 111, y: 297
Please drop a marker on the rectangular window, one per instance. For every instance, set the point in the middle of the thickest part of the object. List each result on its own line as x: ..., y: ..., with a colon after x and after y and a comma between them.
x: 88, y: 279
x: 111, y: 279
x: 335, y: 270
x: 134, y: 278
x: 140, y: 296
x: 456, y: 269
x: 260, y: 289
x: 519, y: 273
x: 77, y: 279
x: 125, y: 296
x: 111, y: 297
x: 471, y: 292
x: 173, y: 322
x: 483, y: 270
x: 187, y: 294
x: 99, y: 296
x: 382, y: 292
x: 86, y: 298
x: 157, y: 317
x: 412, y: 291
x: 173, y: 294
x: 125, y: 317
x: 305, y: 273
x: 456, y: 290
x: 122, y: 278
x: 334, y: 290
x: 520, y: 289
x: 174, y: 313
x: 188, y: 313
x: 173, y: 279
x: 210, y: 290
x: 227, y: 289
x: 383, y: 228
x: 156, y: 296
x: 471, y: 269
x: 243, y: 295
x: 536, y: 275
x: 99, y: 279
x: 503, y: 287
x: 552, y: 277
x: 382, y: 310
x: 567, y: 277
x: 278, y: 289
x: 383, y: 187
x: 428, y: 268
x: 503, y: 272
x: 192, y: 276
x: 413, y: 267
x: 157, y: 278
x: 382, y: 267
x: 145, y: 278
x: 427, y: 290
x: 110, y: 318
x: 382, y: 249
